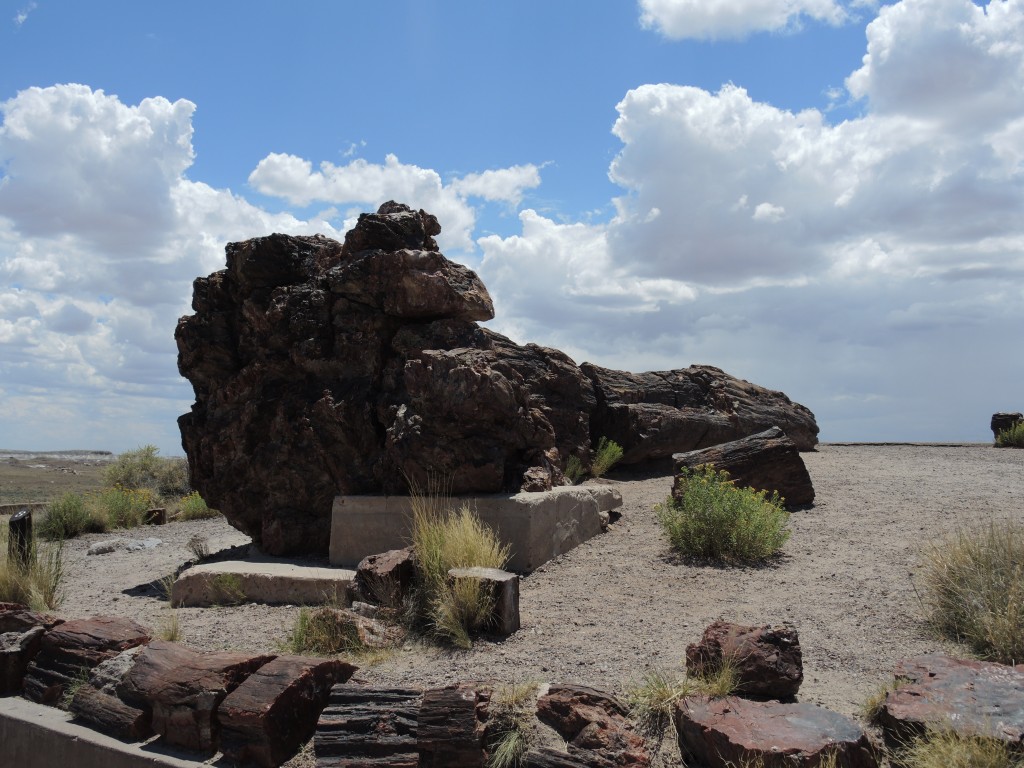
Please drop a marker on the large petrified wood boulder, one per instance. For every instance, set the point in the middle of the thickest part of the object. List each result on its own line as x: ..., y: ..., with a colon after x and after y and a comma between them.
x: 767, y: 660
x: 942, y: 693
x: 766, y: 461
x: 275, y: 710
x: 721, y: 733
x: 183, y: 688
x: 70, y: 650
x: 323, y: 369
x: 594, y: 725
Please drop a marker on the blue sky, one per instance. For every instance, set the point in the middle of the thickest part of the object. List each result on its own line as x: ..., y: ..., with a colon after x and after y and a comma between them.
x: 821, y: 196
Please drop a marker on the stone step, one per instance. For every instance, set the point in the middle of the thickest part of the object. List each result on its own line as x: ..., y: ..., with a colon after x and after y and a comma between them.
x: 246, y: 581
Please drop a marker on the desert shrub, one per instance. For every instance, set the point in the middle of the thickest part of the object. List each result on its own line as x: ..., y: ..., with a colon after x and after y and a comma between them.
x: 199, y: 546
x: 37, y: 583
x: 171, y: 477
x: 510, y: 727
x: 945, y: 749
x: 606, y: 456
x: 192, y: 506
x: 143, y: 468
x: 68, y: 517
x: 1011, y: 437
x: 574, y: 470
x: 715, y: 519
x: 445, y: 539
x: 974, y: 589
x: 125, y: 507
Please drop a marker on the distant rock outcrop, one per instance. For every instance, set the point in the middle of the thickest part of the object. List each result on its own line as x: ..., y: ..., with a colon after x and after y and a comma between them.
x: 322, y: 369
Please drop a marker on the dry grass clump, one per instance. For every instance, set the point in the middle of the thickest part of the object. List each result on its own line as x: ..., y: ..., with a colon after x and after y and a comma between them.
x: 607, y: 454
x: 38, y: 582
x: 326, y: 631
x: 69, y: 516
x: 872, y: 706
x: 444, y: 539
x: 945, y: 749
x: 651, y: 700
x: 1011, y: 437
x: 973, y: 583
x: 510, y: 728
x: 714, y: 519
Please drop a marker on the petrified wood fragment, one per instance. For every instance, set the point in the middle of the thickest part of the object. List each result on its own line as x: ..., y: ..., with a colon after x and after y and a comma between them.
x: 592, y: 721
x: 767, y: 660
x: 449, y: 733
x: 366, y: 727
x: 97, y: 704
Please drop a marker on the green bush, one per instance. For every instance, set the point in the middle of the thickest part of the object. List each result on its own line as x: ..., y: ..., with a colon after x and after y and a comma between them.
x: 193, y: 507
x: 715, y: 519
x: 974, y: 589
x: 171, y: 477
x: 143, y: 468
x: 442, y: 540
x: 607, y: 456
x: 125, y: 507
x: 68, y: 517
x: 1011, y: 437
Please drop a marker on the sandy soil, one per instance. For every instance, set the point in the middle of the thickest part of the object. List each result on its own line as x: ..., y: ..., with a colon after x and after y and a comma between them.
x: 621, y: 603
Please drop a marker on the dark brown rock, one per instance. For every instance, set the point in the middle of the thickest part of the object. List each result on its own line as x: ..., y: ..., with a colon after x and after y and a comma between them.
x: 15, y: 617
x: 275, y: 710
x: 653, y: 415
x: 767, y: 461
x: 504, y: 590
x: 322, y: 370
x: 768, y: 660
x: 449, y: 735
x: 546, y: 757
x: 97, y: 704
x: 183, y: 689
x: 968, y: 697
x: 385, y: 578
x: 17, y: 649
x: 70, y: 650
x: 720, y: 733
x: 367, y: 727
x: 1001, y: 421
x: 592, y: 721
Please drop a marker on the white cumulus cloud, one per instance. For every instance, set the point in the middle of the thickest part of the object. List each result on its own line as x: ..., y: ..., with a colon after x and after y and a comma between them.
x: 718, y: 19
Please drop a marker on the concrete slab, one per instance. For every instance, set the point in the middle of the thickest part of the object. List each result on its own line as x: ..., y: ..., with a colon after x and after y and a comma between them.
x: 247, y: 581
x: 36, y: 736
x: 537, y: 526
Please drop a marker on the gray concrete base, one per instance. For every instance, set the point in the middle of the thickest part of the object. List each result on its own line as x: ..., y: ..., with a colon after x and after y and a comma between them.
x: 537, y: 526
x: 34, y: 736
x: 245, y: 581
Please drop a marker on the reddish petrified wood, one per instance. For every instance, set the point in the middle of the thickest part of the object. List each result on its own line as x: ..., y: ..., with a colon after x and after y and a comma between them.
x: 15, y: 617
x: 184, y: 687
x: 591, y: 720
x: 268, y: 717
x: 384, y: 578
x: 97, y: 704
x: 768, y: 660
x: 721, y: 733
x: 767, y: 461
x: 74, y: 647
x: 365, y: 727
x: 968, y: 697
x: 546, y: 757
x: 449, y: 735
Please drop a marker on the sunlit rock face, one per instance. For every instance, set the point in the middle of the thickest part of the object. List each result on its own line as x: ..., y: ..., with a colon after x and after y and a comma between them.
x: 322, y: 368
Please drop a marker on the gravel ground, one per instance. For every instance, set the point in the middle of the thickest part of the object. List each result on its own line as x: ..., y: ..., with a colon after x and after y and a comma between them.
x: 621, y: 603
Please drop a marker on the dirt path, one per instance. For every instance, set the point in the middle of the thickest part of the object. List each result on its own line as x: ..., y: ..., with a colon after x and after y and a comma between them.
x: 619, y: 604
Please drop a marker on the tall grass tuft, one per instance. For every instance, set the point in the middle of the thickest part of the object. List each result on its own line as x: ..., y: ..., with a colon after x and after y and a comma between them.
x: 714, y: 519
x: 1011, y: 437
x: 974, y: 589
x: 945, y: 749
x: 39, y: 583
x: 68, y: 517
x: 652, y: 699
x: 444, y: 539
x: 510, y: 727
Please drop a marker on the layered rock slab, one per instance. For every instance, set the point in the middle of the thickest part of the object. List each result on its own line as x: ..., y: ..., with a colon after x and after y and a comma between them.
x: 722, y: 733
x: 323, y: 369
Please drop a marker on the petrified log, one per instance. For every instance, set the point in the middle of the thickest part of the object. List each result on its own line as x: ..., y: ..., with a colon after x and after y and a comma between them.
x: 720, y: 733
x: 70, y: 650
x: 268, y: 717
x: 960, y: 695
x: 386, y: 577
x: 110, y: 715
x: 449, y: 733
x: 767, y: 461
x: 504, y: 592
x: 323, y: 369
x: 546, y: 757
x: 184, y: 687
x: 768, y: 660
x: 364, y: 727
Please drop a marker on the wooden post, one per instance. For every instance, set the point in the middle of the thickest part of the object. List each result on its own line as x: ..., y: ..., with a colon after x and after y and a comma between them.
x: 19, y: 539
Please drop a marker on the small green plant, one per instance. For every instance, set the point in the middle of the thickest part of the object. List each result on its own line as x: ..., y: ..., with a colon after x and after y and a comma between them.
x: 606, y: 456
x: 973, y: 583
x: 80, y: 679
x: 712, y: 518
x: 125, y: 507
x: 444, y: 540
x: 510, y: 728
x: 1011, y: 437
x: 228, y: 589
x: 68, y: 517
x: 37, y: 582
x: 574, y: 471
x: 193, y: 507
x: 946, y: 749
x: 872, y: 706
